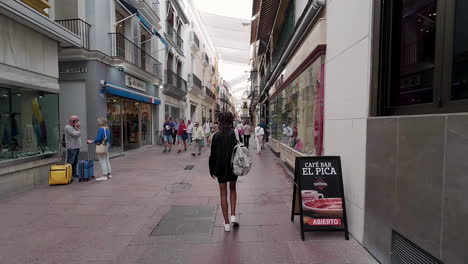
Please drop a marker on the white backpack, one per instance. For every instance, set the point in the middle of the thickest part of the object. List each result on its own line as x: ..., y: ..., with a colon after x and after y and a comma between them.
x: 241, y: 161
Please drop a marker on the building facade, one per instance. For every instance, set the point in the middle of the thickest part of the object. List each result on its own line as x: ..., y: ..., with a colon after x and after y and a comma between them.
x: 29, y: 92
x: 140, y: 62
x: 116, y: 73
x: 384, y: 84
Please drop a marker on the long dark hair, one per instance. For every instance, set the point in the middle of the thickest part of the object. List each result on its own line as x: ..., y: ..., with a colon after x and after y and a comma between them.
x: 225, y: 120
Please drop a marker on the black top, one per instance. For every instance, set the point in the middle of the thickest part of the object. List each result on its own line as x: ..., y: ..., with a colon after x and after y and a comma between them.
x: 222, y: 146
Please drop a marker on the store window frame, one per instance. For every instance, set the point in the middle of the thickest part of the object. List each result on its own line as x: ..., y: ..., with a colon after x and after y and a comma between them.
x: 381, y: 71
x: 52, y: 153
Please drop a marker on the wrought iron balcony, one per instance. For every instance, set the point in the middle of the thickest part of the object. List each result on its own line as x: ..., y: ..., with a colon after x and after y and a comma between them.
x: 207, y: 59
x: 210, y: 93
x: 150, y: 8
x: 175, y: 37
x: 79, y: 27
x: 195, y: 41
x: 127, y: 50
x: 176, y: 85
x: 195, y: 84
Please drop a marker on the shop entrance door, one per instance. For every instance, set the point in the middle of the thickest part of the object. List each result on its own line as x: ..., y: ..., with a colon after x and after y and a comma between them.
x: 131, y: 134
x: 146, y: 124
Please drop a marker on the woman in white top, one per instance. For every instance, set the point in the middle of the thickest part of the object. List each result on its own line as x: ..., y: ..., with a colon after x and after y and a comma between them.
x: 259, y: 133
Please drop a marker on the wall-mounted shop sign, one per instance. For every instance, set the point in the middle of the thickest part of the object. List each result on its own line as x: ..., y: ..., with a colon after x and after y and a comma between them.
x: 135, y: 83
x: 318, y: 195
x: 73, y: 70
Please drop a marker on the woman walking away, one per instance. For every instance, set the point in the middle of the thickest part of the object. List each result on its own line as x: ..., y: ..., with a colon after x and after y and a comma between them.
x: 102, y: 149
x: 182, y: 136
x: 220, y: 165
x: 259, y: 133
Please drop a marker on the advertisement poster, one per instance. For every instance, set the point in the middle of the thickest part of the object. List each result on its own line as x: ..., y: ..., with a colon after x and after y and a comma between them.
x: 319, y: 195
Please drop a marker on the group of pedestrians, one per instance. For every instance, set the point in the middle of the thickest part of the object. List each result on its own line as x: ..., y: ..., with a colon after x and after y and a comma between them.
x: 72, y: 143
x: 191, y: 134
x: 243, y: 132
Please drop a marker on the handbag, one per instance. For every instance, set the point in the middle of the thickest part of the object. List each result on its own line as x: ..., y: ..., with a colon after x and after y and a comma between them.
x: 102, y: 148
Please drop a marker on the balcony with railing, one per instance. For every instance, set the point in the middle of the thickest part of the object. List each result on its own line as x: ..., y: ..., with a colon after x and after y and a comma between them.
x: 174, y: 37
x: 195, y: 84
x: 150, y: 10
x: 79, y: 28
x: 126, y: 50
x: 209, y: 93
x: 206, y: 60
x: 176, y: 85
x: 195, y: 42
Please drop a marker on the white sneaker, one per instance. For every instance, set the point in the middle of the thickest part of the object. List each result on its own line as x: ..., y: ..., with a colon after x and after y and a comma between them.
x: 227, y: 227
x: 102, y: 178
x: 234, y: 221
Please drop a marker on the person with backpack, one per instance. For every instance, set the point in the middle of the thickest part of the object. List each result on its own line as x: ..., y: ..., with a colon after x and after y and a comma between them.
x: 102, y: 149
x: 220, y: 164
x: 259, y: 134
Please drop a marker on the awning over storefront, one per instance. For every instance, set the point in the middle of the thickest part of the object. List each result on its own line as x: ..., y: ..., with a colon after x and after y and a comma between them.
x: 144, y: 21
x: 131, y: 94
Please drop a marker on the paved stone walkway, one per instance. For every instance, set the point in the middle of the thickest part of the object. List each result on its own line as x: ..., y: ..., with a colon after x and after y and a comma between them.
x: 111, y: 221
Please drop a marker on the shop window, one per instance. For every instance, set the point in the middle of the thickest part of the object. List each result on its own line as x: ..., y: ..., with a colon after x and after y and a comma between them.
x: 293, y: 118
x: 29, y: 124
x: 422, y: 57
x: 114, y: 118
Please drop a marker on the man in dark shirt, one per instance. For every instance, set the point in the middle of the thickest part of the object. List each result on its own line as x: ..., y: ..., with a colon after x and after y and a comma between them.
x: 168, y: 130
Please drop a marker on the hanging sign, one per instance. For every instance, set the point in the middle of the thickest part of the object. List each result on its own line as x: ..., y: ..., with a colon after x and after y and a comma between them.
x: 318, y: 195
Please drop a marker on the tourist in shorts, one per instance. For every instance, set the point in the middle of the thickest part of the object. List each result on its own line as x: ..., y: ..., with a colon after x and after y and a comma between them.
x: 182, y: 136
x: 168, y: 128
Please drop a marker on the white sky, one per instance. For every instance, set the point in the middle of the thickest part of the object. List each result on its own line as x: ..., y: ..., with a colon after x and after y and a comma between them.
x: 231, y: 8
x: 239, y: 9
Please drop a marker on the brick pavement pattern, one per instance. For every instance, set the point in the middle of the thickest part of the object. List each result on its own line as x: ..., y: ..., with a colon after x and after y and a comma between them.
x: 111, y: 221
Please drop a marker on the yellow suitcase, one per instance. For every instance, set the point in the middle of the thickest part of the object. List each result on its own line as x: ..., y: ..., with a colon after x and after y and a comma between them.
x: 60, y: 174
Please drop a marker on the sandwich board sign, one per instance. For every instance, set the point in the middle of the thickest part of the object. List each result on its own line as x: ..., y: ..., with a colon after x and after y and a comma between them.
x: 318, y: 195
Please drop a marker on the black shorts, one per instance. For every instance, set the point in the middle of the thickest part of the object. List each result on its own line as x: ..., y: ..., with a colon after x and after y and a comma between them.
x: 229, y: 178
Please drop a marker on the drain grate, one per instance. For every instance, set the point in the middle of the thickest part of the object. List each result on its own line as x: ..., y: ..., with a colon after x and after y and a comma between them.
x: 189, y: 167
x: 184, y: 220
x: 406, y: 252
x: 178, y: 187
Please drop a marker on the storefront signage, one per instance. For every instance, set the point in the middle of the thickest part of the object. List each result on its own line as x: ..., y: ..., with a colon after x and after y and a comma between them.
x: 74, y: 70
x: 135, y: 83
x: 318, y: 195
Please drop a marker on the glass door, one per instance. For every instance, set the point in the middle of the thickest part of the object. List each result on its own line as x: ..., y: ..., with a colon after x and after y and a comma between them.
x: 114, y: 117
x: 146, y: 124
x: 131, y: 137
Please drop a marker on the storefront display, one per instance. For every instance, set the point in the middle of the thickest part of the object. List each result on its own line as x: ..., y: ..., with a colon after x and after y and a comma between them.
x: 28, y: 123
x: 129, y: 122
x: 293, y: 119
